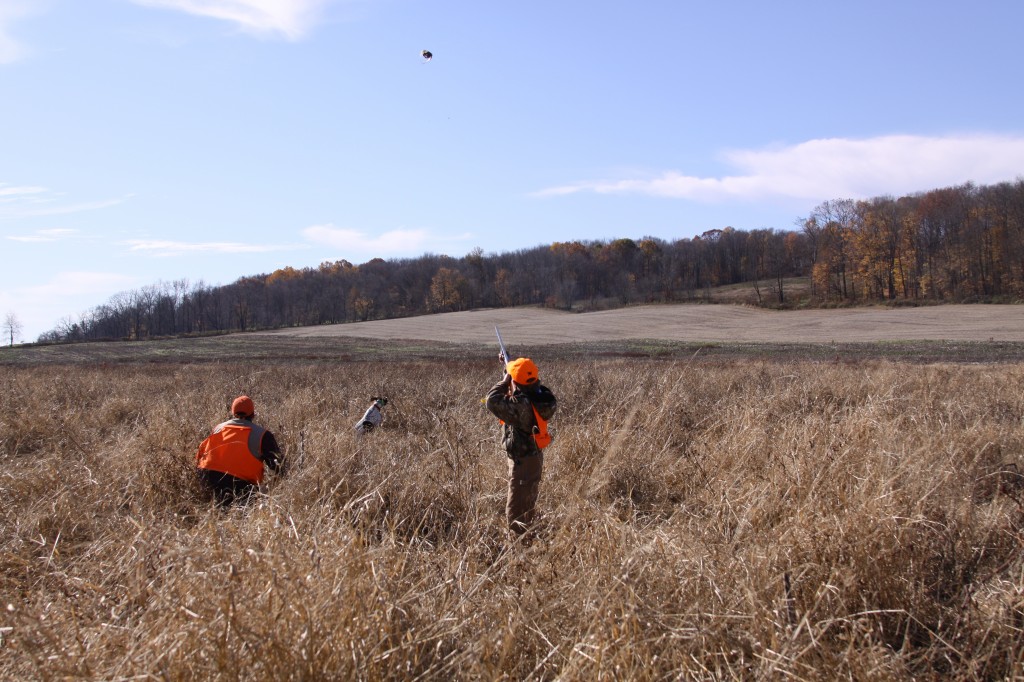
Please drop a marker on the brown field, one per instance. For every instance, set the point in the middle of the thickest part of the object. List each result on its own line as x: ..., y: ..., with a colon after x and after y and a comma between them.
x: 710, y: 510
x: 700, y: 323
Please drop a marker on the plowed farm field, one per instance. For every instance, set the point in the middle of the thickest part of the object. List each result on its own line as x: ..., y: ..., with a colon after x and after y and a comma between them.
x: 697, y: 324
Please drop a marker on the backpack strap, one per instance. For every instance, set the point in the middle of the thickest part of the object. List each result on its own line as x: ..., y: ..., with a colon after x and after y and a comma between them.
x: 540, y: 431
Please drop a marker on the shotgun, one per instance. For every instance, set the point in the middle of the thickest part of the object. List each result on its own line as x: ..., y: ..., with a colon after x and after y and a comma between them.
x: 501, y: 346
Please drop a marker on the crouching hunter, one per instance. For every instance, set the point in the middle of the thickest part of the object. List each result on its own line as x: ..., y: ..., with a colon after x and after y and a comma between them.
x: 524, y: 406
x: 231, y: 459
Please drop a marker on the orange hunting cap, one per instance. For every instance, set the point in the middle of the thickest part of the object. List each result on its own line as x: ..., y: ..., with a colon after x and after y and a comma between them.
x: 522, y: 371
x: 243, y: 405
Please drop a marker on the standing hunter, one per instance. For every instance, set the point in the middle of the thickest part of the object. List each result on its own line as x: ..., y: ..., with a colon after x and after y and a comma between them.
x: 524, y: 406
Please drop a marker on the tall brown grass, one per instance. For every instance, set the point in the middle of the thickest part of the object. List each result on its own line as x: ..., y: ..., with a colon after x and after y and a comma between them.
x: 700, y: 520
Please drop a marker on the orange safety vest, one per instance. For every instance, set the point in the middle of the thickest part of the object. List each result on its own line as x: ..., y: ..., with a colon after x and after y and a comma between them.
x: 234, y: 448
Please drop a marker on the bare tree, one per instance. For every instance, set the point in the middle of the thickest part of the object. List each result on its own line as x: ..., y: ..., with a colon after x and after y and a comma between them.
x: 12, y: 327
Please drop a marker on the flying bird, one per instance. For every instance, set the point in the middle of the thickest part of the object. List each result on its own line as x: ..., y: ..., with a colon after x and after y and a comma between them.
x: 427, y: 55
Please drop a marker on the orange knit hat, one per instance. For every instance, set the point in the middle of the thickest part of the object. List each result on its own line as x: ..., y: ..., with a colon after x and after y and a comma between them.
x: 523, y: 371
x: 243, y: 405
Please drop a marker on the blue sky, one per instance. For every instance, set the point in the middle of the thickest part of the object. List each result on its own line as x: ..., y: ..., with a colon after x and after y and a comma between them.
x: 159, y: 140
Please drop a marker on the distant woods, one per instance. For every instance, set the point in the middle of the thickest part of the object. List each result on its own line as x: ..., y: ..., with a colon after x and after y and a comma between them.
x: 958, y: 244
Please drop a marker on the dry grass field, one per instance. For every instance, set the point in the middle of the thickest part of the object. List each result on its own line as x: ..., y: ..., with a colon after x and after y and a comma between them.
x: 709, y: 511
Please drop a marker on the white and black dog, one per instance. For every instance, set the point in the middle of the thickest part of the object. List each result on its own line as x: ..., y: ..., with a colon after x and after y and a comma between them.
x: 373, y: 417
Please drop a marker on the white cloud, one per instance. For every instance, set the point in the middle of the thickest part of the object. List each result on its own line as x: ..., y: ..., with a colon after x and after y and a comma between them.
x: 289, y: 18
x: 10, y: 11
x: 384, y: 243
x: 160, y: 247
x: 835, y: 168
x: 43, y: 235
x: 15, y: 192
x: 71, y: 284
x: 75, y: 208
x: 26, y: 201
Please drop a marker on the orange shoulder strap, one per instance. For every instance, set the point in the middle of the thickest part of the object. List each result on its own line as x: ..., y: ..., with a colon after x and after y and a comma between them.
x: 542, y: 436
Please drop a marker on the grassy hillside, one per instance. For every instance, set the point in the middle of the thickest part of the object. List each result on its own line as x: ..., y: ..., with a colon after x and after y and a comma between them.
x: 340, y: 349
x: 705, y: 514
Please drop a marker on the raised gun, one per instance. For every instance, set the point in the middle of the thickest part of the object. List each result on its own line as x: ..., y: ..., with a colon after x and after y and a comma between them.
x: 505, y: 359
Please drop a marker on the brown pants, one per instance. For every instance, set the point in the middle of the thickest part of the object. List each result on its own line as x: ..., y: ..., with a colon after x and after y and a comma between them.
x: 523, y: 488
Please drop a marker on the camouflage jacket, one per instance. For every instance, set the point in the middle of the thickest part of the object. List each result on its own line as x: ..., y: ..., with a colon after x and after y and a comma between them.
x: 516, y: 411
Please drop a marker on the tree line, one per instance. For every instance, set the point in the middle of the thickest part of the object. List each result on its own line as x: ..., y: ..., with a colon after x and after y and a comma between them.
x: 957, y: 244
